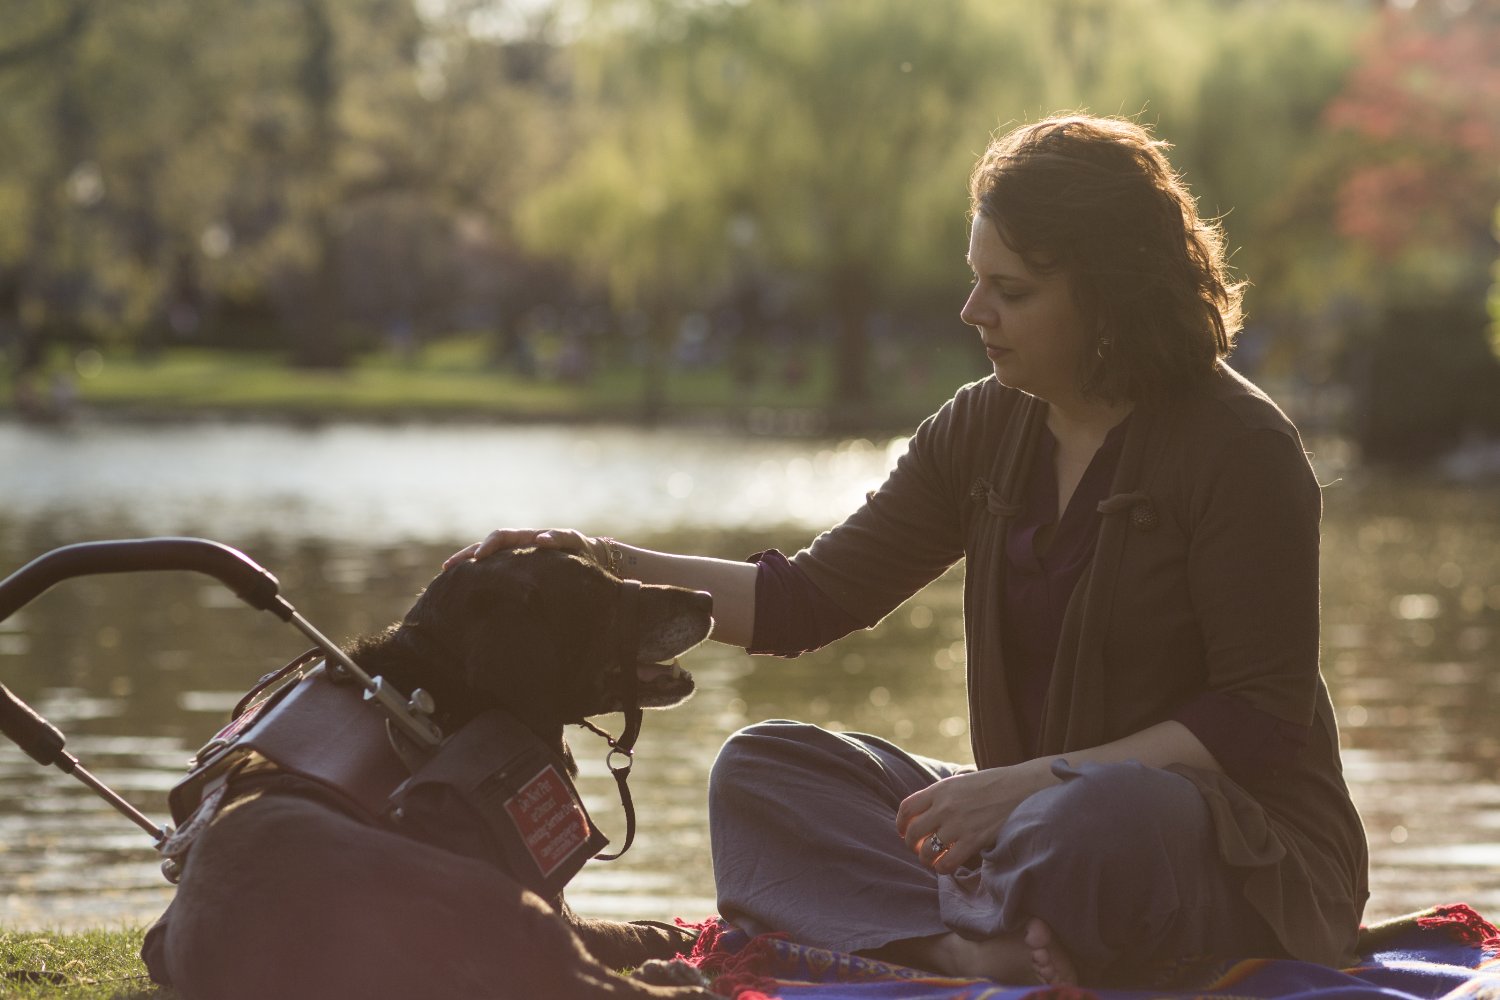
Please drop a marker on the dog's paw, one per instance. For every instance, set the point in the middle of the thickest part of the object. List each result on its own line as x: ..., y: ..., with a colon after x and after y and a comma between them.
x: 663, y: 939
x: 676, y: 972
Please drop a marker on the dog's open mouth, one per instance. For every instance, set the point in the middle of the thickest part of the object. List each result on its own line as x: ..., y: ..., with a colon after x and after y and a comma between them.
x: 662, y: 684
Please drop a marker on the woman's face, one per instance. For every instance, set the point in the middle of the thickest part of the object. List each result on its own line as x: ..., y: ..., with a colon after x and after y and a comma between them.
x: 1032, y: 330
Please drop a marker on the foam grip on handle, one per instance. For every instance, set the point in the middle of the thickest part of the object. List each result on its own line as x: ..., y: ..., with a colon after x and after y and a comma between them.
x: 39, y: 738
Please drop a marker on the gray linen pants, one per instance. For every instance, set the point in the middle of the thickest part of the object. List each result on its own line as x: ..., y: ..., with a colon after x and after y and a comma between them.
x: 1118, y: 859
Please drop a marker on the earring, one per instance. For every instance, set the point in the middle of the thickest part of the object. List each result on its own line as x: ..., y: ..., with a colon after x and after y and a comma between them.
x: 1104, y: 347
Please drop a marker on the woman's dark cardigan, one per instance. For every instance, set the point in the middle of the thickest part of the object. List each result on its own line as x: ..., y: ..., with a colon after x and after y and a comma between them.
x: 1205, y: 578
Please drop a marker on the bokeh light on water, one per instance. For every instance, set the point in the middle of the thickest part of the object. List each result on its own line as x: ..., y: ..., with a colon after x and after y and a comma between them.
x: 139, y: 670
x: 382, y: 485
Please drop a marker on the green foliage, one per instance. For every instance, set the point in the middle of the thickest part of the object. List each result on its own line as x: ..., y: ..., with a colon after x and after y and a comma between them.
x: 1494, y: 296
x: 827, y: 144
x: 1256, y: 121
x: 1388, y: 227
x: 625, y: 213
x: 172, y: 157
x: 314, y: 175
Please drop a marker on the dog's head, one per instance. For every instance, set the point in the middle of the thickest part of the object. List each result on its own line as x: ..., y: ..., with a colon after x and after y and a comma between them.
x: 539, y: 632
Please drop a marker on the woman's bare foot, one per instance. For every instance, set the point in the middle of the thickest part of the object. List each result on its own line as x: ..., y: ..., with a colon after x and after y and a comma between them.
x: 1050, y: 960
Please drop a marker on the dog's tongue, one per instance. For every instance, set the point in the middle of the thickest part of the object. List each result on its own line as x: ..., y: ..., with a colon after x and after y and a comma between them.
x: 650, y: 673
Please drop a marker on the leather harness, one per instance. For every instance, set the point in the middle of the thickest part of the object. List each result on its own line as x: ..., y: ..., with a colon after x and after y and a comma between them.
x: 302, y: 722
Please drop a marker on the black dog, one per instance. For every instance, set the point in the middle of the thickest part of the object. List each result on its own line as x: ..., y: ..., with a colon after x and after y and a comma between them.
x: 285, y: 895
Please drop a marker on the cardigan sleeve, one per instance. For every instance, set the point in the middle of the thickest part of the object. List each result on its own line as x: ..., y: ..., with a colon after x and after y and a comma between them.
x: 1247, y: 742
x: 792, y: 616
x: 907, y: 532
x: 1253, y: 574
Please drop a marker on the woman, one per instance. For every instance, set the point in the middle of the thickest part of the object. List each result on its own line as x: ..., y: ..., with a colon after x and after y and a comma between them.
x: 1156, y: 771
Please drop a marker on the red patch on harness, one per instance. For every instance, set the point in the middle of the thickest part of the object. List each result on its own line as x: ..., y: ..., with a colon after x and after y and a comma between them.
x: 551, y: 822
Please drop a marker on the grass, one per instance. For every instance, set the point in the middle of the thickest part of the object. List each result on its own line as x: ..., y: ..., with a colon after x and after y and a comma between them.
x: 452, y: 378
x: 83, y: 965
x: 87, y: 965
x: 226, y: 381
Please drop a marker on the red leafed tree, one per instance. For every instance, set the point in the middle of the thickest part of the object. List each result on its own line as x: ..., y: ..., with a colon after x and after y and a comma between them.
x: 1410, y: 189
x: 1424, y: 107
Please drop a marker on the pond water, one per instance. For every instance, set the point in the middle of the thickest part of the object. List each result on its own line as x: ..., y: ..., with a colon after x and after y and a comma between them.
x: 354, y: 519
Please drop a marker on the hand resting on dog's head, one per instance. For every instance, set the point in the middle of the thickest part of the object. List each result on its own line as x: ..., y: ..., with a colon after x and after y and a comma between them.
x: 537, y: 633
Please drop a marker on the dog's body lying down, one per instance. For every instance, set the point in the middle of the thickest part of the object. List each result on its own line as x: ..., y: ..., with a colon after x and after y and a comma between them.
x: 286, y: 894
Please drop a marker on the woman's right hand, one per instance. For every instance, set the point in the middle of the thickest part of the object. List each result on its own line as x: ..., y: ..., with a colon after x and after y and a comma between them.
x: 965, y: 811
x: 543, y: 538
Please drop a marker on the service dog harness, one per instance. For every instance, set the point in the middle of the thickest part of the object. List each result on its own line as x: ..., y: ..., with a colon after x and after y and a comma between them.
x: 491, y: 790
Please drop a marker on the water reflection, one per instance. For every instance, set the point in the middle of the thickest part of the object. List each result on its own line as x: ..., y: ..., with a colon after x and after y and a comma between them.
x: 353, y: 520
x: 397, y: 484
x: 1412, y: 602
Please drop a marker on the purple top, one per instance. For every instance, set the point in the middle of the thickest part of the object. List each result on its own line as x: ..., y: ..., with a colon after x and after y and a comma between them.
x: 1044, y: 559
x: 1043, y: 567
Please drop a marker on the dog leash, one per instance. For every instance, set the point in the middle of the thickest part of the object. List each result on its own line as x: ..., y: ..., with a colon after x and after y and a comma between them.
x: 622, y: 748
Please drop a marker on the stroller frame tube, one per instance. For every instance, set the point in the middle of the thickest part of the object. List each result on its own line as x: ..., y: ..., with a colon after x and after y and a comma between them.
x: 43, y: 742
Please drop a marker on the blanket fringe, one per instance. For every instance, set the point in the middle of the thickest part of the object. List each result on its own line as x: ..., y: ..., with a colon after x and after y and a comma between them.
x: 1463, y: 922
x: 734, y: 974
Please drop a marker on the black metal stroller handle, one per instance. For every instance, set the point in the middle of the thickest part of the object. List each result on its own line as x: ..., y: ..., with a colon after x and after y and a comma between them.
x: 253, y: 584
x: 39, y: 738
x: 44, y: 743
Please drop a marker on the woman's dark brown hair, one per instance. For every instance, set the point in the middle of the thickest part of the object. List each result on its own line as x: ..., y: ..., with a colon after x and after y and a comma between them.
x: 1096, y: 199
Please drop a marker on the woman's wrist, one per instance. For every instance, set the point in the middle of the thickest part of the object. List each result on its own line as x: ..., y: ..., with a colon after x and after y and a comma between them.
x: 608, y: 553
x: 1036, y: 773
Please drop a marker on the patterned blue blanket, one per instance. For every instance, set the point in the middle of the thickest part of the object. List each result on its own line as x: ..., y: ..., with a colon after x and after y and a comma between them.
x: 1447, y: 951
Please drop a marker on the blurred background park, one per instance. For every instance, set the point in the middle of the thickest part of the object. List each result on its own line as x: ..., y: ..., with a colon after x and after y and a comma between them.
x: 345, y: 283
x: 649, y: 208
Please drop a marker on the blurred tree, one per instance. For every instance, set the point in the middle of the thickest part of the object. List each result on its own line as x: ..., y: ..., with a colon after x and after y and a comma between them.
x: 39, y: 127
x: 1494, y: 300
x: 1424, y: 107
x: 377, y: 160
x: 830, y: 141
x: 298, y: 164
x: 1258, y: 116
x: 502, y: 119
x: 1405, y: 188
x: 309, y: 157
x: 104, y: 135
x: 808, y: 139
x: 835, y: 126
x: 311, y: 174
x: 613, y: 213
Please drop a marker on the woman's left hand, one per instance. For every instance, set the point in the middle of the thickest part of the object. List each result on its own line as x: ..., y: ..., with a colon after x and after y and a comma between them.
x: 966, y: 812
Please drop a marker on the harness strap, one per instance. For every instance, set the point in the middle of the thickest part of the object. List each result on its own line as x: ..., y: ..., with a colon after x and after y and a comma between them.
x: 628, y: 617
x: 621, y: 774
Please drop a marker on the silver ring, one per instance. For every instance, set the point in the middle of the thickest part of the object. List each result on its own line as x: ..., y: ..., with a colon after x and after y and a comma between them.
x: 935, y: 845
